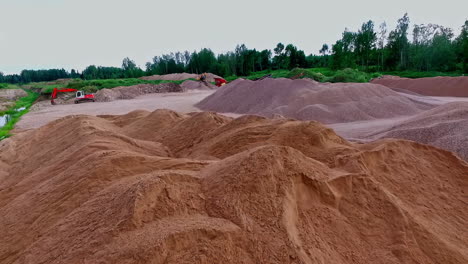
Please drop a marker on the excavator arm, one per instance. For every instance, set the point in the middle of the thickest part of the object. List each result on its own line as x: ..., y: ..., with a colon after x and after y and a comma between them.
x: 56, y: 91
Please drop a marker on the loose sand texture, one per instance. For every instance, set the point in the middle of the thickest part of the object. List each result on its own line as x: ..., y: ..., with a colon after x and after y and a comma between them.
x: 165, y: 187
x: 434, y: 86
x: 306, y: 99
x: 180, y: 76
x: 43, y: 112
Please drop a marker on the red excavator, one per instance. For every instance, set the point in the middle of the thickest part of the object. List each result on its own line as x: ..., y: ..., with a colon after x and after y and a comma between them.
x: 220, y: 82
x: 79, y: 97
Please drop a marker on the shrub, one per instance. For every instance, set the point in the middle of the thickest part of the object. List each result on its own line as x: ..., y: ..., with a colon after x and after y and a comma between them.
x: 305, y: 73
x: 350, y: 75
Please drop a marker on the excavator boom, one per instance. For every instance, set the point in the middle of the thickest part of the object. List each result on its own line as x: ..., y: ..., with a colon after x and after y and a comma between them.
x: 64, y: 90
x: 79, y: 97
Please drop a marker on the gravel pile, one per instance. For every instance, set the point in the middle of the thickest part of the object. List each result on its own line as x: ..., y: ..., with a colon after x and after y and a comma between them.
x: 197, y: 85
x: 445, y: 127
x: 306, y: 99
x: 434, y: 86
x: 130, y: 92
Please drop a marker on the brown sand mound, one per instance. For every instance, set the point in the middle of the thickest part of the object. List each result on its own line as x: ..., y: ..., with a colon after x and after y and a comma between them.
x: 445, y: 126
x: 309, y: 100
x: 180, y: 76
x: 130, y: 92
x: 197, y: 85
x: 12, y: 94
x: 434, y: 86
x: 248, y: 190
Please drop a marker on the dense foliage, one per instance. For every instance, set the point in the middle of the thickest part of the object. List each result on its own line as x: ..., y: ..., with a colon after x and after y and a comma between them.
x: 433, y: 48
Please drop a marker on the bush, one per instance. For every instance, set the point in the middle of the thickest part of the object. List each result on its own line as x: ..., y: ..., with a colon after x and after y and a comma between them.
x: 350, y: 75
x: 305, y: 73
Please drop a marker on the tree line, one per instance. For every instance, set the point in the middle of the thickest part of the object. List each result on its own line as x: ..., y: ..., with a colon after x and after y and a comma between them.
x: 432, y: 48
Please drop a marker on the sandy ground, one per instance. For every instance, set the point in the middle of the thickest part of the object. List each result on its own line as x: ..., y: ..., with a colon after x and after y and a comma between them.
x: 180, y: 102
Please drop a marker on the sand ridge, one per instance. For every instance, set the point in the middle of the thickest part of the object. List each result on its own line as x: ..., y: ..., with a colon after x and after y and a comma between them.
x: 165, y: 187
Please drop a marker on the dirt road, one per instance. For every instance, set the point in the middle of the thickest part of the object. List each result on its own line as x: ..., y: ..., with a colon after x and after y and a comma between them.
x: 181, y: 102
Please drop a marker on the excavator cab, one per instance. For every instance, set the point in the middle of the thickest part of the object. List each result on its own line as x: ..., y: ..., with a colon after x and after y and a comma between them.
x: 82, y: 97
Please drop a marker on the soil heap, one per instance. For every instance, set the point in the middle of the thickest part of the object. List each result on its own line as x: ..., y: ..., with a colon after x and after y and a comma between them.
x: 197, y: 85
x: 130, y: 92
x: 12, y: 94
x: 306, y: 99
x: 445, y: 126
x: 180, y: 76
x: 9, y: 96
x: 433, y: 86
x: 162, y: 187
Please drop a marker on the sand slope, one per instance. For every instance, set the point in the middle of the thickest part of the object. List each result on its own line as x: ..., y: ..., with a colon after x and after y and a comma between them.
x: 164, y: 187
x: 434, y: 86
x: 306, y: 99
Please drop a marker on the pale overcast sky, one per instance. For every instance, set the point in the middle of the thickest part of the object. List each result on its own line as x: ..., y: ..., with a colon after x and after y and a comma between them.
x: 36, y: 34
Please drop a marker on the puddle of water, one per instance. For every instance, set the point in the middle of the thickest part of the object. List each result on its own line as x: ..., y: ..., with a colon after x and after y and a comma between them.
x: 4, y: 120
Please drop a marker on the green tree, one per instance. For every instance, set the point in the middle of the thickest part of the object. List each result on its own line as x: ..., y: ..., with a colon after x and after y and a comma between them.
x: 365, y: 42
x: 461, y: 47
x: 324, y: 50
x: 381, y: 44
x: 398, y: 44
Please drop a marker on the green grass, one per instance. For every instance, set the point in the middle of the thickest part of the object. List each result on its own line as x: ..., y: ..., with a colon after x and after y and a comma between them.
x: 96, y: 85
x: 344, y: 75
x: 416, y: 74
x: 9, y: 86
x: 318, y: 74
x: 15, y: 115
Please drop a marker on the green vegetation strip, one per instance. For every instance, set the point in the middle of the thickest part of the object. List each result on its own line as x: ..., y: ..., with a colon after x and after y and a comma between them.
x: 15, y: 115
x: 318, y: 74
x: 91, y: 86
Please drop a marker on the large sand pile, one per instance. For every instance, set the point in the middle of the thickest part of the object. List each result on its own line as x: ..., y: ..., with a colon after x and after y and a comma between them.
x: 163, y: 187
x: 306, y: 99
x: 445, y: 126
x: 180, y: 76
x: 130, y: 92
x: 434, y: 86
